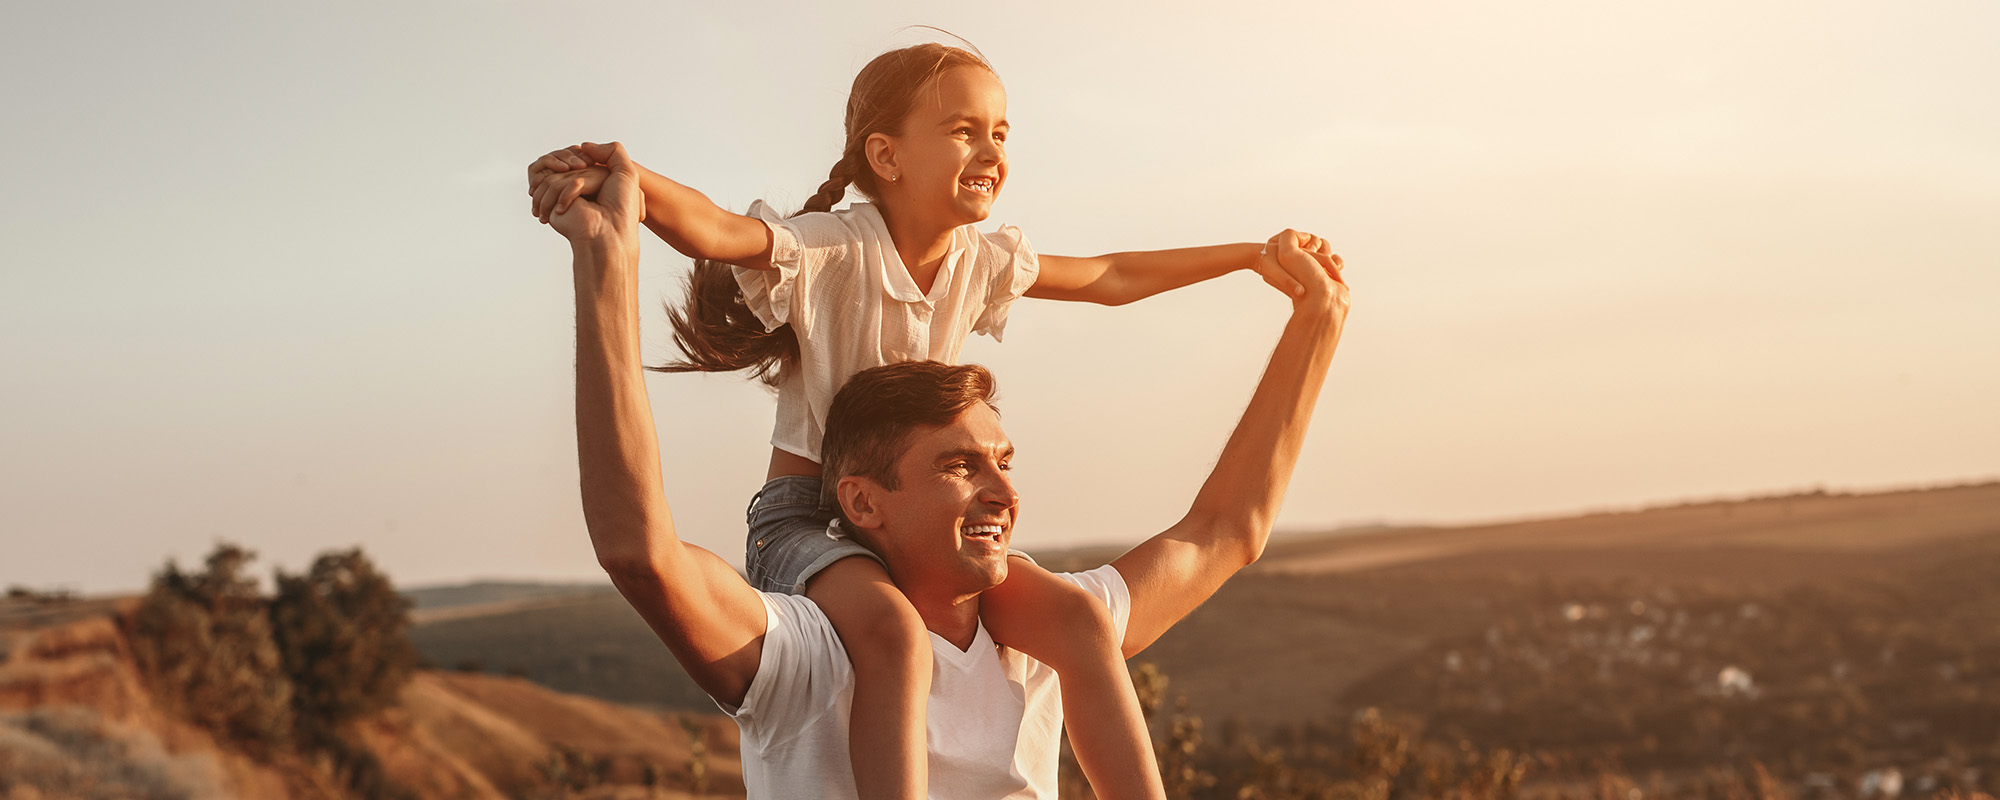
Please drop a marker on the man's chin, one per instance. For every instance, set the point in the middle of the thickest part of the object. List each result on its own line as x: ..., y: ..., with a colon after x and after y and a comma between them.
x: 989, y: 571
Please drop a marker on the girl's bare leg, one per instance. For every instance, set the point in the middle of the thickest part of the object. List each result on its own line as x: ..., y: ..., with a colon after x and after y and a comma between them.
x: 891, y: 652
x: 1065, y: 627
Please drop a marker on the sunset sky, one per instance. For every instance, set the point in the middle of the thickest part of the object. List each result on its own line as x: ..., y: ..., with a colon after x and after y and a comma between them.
x: 267, y: 272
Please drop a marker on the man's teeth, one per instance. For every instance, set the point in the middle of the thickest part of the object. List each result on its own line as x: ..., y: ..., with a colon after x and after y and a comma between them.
x: 982, y: 531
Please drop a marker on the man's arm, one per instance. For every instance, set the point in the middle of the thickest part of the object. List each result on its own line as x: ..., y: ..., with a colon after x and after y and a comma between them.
x: 704, y: 612
x: 1230, y: 521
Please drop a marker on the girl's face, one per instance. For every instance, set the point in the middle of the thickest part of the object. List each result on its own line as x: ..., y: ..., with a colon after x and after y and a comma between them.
x: 951, y: 158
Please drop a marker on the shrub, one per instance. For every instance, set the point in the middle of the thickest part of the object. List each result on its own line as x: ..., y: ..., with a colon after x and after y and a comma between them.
x: 342, y: 632
x: 204, y: 642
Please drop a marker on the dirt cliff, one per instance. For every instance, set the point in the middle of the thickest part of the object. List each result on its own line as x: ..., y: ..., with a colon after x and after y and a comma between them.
x: 78, y: 720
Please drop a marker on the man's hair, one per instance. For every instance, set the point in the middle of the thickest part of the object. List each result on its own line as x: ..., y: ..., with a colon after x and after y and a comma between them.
x: 872, y: 417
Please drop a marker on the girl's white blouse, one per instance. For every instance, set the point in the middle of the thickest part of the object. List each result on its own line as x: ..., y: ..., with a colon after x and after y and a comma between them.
x: 836, y: 278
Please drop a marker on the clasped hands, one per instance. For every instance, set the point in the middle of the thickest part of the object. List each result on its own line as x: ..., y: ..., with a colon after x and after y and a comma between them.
x: 588, y: 191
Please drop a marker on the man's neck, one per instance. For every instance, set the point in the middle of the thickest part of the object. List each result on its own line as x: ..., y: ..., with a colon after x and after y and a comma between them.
x: 955, y: 619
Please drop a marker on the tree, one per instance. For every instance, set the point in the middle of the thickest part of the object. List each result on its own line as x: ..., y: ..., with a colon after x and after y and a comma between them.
x: 204, y: 641
x: 342, y: 631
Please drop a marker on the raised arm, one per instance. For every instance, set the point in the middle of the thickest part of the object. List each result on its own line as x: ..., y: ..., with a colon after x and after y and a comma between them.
x: 1120, y: 278
x: 682, y: 217
x: 1230, y: 520
x: 704, y: 612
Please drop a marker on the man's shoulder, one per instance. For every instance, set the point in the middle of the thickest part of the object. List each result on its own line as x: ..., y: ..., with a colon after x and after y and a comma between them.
x: 801, y: 657
x: 794, y: 618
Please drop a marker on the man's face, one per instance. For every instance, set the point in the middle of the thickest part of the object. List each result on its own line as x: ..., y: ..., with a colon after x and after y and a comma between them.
x: 945, y: 529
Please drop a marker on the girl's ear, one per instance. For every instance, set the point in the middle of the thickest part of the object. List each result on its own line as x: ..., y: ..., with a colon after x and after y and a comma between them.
x: 858, y: 500
x: 880, y: 150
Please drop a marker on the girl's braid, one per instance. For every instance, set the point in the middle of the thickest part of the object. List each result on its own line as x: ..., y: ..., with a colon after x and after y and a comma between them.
x: 835, y: 187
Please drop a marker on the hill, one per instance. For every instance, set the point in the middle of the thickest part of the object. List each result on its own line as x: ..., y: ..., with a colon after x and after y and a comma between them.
x: 433, y: 598
x: 1825, y: 634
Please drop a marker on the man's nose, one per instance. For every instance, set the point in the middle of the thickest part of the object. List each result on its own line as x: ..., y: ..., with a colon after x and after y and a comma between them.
x: 999, y: 490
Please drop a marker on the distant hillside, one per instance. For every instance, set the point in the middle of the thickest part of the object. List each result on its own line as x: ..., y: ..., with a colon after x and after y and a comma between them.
x: 1524, y: 635
x: 470, y: 594
x: 592, y: 644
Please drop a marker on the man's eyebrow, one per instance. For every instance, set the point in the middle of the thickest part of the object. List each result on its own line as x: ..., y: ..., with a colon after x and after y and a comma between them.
x: 973, y: 452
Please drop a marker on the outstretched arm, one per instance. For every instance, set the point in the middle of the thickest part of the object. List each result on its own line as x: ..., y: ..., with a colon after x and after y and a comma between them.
x: 1120, y: 278
x: 1230, y: 521
x: 711, y: 620
x: 682, y: 217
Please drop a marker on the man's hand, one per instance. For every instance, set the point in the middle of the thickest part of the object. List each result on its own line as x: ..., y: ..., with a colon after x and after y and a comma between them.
x: 614, y: 212
x: 1289, y: 268
x: 556, y: 191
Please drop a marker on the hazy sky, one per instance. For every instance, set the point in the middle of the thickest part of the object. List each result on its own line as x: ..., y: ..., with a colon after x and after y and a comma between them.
x: 267, y: 273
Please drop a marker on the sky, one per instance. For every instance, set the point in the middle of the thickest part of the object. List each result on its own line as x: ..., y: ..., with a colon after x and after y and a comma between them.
x: 267, y: 273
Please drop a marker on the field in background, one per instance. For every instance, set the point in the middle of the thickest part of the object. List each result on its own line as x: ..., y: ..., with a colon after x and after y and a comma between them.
x: 1830, y: 636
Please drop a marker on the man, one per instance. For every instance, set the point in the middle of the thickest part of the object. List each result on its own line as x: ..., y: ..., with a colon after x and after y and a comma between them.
x: 928, y: 491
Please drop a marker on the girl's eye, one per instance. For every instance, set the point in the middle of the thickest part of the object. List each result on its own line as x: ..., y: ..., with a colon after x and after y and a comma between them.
x: 1000, y: 136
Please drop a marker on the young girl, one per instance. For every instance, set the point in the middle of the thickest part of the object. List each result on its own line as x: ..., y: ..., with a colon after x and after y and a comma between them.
x: 809, y: 300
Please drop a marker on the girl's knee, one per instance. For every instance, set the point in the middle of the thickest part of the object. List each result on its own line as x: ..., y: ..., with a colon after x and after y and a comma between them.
x: 1056, y: 622
x: 895, y: 626
x: 880, y: 631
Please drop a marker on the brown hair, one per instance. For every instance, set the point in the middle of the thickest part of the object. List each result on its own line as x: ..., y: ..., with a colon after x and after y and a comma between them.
x: 715, y: 327
x: 870, y: 421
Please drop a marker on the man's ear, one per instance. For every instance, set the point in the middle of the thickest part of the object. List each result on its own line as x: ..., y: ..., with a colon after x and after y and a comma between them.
x: 860, y: 499
x: 880, y: 150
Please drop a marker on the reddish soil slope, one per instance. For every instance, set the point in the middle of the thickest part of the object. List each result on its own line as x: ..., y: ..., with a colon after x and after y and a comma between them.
x: 77, y: 720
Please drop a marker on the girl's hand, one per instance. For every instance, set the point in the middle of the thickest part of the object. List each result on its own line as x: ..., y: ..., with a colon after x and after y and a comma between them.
x: 556, y: 191
x: 558, y: 161
x: 611, y: 215
x: 1290, y: 260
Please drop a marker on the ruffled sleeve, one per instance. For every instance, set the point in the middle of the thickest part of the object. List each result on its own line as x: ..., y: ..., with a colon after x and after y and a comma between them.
x: 1015, y: 268
x: 768, y: 292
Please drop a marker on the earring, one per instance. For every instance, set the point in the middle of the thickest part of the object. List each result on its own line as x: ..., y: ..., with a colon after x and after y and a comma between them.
x: 893, y: 177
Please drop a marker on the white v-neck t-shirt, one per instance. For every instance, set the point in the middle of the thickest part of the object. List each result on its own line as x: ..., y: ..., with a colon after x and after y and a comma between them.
x: 837, y: 279
x: 993, y: 725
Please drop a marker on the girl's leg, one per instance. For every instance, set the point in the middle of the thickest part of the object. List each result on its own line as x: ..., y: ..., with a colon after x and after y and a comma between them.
x: 1067, y: 628
x: 891, y: 652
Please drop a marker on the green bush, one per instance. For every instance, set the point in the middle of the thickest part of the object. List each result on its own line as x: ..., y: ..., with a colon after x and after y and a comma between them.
x: 204, y: 642
x: 342, y: 631
x: 291, y: 672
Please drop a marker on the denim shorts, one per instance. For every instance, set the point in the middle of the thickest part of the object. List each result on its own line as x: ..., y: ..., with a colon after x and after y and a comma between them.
x: 791, y: 537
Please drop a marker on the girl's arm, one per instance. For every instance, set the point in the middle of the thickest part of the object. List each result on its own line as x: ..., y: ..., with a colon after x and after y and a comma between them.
x: 1120, y: 278
x: 682, y: 217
